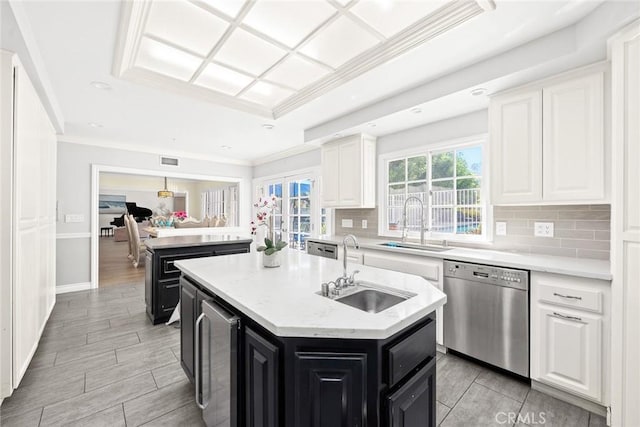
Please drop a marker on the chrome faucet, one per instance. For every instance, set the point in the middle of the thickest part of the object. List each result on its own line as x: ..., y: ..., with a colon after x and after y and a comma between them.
x: 346, y: 280
x: 404, y: 216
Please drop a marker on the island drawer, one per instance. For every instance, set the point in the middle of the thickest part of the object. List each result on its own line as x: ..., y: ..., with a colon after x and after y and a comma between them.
x: 411, y: 351
x: 168, y: 268
x: 169, y: 296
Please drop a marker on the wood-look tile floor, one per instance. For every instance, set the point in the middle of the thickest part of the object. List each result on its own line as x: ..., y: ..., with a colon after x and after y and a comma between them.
x: 114, y: 266
x: 101, y: 363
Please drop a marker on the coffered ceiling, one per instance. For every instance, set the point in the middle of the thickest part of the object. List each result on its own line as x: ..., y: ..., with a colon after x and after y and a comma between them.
x: 270, y: 57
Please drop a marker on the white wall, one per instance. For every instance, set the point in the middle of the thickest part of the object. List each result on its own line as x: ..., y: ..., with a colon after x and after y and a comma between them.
x: 74, y: 196
x: 298, y: 161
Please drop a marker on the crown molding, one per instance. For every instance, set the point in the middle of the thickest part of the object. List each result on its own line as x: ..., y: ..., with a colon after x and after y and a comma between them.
x: 140, y: 148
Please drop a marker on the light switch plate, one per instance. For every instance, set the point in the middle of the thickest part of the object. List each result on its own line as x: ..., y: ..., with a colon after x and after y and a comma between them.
x: 74, y: 218
x: 347, y: 223
x: 543, y: 229
x: 501, y: 228
x: 364, y: 223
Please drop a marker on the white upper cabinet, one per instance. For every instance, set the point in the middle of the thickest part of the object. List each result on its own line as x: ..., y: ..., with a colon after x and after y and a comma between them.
x: 547, y: 143
x: 516, y: 147
x: 348, y: 172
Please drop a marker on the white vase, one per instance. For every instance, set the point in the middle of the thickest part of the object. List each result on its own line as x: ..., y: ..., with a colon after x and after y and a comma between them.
x: 271, y: 261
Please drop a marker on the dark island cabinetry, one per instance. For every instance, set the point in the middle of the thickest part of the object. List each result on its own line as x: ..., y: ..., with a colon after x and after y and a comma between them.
x: 322, y: 382
x: 162, y: 277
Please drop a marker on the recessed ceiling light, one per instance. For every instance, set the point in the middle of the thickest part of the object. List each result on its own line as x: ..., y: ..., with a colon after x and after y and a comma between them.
x: 267, y: 126
x: 337, y: 135
x: 101, y: 85
x: 95, y: 125
x: 225, y: 147
x: 478, y: 91
x: 416, y: 110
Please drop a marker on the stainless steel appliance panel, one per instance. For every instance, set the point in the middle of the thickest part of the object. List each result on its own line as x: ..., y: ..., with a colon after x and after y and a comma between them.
x: 217, y: 370
x: 487, y: 314
x: 327, y: 250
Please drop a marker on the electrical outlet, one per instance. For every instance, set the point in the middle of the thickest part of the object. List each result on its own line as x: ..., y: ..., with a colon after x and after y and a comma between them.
x: 543, y: 229
x: 347, y: 223
x: 364, y: 223
x: 501, y: 228
x: 74, y: 218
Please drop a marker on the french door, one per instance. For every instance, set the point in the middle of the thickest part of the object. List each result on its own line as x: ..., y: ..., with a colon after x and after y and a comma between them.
x: 298, y: 214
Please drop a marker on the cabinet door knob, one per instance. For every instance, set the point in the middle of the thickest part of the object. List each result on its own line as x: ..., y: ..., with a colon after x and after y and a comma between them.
x: 567, y: 296
x: 562, y: 316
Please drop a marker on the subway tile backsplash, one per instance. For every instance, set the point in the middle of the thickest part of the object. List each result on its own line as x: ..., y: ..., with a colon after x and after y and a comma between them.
x: 580, y: 231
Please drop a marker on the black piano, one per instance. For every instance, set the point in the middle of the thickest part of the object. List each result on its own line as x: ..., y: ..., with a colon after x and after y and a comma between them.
x: 139, y: 213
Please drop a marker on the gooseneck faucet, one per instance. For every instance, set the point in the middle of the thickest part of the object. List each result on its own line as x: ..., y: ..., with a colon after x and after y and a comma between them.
x: 356, y: 245
x: 404, y: 217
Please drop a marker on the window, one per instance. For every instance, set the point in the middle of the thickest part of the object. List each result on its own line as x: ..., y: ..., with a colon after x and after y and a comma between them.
x: 449, y: 183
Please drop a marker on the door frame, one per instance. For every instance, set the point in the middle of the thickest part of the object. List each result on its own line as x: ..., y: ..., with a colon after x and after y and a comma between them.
x: 315, y: 174
x: 96, y: 169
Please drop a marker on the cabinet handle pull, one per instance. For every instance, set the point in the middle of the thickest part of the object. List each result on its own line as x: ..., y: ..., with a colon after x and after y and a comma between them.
x: 562, y: 316
x: 567, y: 296
x: 197, y: 361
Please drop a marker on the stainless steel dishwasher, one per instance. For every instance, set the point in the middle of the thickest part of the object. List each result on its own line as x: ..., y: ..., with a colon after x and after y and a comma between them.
x: 487, y: 314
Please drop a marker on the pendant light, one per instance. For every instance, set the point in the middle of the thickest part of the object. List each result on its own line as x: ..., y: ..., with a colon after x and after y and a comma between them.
x: 165, y: 193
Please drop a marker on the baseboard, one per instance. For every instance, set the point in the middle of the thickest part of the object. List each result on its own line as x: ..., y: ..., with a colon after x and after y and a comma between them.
x: 73, y: 287
x: 570, y: 398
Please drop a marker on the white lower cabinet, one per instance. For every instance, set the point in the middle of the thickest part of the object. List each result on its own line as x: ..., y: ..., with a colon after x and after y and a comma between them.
x: 570, y: 334
x: 570, y: 350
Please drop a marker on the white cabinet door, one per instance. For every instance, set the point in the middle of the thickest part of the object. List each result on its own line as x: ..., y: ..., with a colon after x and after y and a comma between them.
x: 567, y: 351
x: 350, y: 173
x: 330, y: 177
x: 573, y: 140
x: 516, y: 147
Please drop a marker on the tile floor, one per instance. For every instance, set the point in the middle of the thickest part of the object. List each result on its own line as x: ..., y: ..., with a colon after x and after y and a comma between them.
x: 101, y: 363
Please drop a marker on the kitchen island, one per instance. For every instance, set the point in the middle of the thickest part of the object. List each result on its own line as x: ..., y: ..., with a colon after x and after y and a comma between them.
x: 293, y: 357
x: 162, y: 278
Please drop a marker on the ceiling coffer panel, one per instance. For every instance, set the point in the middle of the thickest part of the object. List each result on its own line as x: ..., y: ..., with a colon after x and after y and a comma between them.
x: 269, y: 57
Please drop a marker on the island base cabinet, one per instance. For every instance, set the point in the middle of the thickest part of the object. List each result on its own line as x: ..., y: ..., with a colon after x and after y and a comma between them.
x: 331, y: 389
x: 413, y: 404
x: 261, y: 381
x: 190, y: 308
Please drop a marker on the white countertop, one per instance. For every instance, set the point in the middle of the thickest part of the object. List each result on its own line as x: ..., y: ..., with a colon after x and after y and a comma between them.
x: 580, y: 267
x: 284, y: 301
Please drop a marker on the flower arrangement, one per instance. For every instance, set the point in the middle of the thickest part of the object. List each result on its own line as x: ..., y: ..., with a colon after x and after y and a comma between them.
x: 181, y: 215
x: 266, y: 208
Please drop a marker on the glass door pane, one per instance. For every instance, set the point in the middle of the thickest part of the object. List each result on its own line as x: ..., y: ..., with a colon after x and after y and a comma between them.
x: 275, y: 189
x: 299, y: 212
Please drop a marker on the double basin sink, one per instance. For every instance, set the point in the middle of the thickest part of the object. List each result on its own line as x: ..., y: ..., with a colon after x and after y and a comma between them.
x: 372, y: 298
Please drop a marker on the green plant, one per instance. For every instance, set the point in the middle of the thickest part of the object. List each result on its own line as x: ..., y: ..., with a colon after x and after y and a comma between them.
x: 269, y: 248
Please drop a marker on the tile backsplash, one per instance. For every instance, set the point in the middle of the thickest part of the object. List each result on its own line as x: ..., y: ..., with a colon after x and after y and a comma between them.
x: 580, y: 231
x: 357, y: 215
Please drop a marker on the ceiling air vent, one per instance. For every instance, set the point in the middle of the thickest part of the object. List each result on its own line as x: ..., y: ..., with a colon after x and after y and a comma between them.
x: 168, y: 161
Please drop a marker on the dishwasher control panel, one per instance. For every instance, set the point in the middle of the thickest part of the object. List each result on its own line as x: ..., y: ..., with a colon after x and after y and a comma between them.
x: 501, y: 276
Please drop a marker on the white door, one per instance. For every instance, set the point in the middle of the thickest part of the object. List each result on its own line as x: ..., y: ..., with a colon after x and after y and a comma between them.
x: 33, y: 222
x: 625, y: 236
x: 515, y: 128
x: 569, y: 351
x: 573, y: 140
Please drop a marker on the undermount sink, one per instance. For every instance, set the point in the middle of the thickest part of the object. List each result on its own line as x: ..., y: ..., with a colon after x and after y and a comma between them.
x: 431, y: 248
x: 373, y: 298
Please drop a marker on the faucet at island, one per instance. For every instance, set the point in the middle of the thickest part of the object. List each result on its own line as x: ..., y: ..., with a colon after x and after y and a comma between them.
x: 404, y: 219
x: 347, y: 280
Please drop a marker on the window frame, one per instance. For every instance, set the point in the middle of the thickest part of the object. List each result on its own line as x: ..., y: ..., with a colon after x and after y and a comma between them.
x: 429, y: 150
